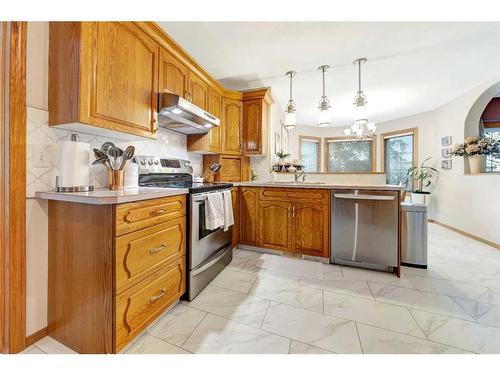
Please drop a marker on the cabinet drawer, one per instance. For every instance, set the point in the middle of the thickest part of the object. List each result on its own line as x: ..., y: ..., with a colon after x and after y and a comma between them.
x: 296, y: 195
x: 138, y: 215
x: 145, y: 301
x: 145, y: 250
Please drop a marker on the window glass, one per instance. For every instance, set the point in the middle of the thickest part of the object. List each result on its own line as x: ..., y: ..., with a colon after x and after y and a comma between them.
x: 492, y: 162
x: 349, y: 156
x: 309, y: 154
x: 398, y: 158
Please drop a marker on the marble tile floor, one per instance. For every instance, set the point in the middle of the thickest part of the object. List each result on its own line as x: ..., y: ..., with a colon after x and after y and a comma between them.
x: 262, y: 303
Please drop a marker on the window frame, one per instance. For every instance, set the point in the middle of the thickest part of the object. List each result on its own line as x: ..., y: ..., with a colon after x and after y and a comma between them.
x: 373, y: 147
x: 395, y: 134
x: 318, y: 158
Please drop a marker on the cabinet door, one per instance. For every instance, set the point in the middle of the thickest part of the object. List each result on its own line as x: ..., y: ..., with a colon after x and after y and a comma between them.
x: 214, y: 107
x: 274, y: 227
x: 198, y: 91
x: 173, y: 74
x: 252, y: 127
x: 119, y: 77
x: 310, y: 229
x: 231, y: 126
x: 249, y: 216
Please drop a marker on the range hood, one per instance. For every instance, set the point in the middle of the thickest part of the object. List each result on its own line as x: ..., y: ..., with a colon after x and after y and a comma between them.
x: 179, y: 115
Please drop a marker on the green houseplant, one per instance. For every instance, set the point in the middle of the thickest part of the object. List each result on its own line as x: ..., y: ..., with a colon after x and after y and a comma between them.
x: 422, y: 175
x: 282, y: 156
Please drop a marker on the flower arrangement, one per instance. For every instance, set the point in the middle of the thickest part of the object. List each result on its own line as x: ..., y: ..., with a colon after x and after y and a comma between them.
x: 477, y: 146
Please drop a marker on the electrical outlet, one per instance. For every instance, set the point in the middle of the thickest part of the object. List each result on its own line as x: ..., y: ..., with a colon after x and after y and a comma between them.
x: 40, y: 156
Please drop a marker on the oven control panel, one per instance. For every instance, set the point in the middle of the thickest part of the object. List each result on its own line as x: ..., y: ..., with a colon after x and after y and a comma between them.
x: 157, y: 164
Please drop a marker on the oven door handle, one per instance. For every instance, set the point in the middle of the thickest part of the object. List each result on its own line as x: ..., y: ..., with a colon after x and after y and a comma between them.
x: 216, y: 257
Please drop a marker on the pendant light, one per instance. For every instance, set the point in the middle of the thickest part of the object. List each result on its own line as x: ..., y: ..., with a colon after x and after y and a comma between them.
x: 360, y: 120
x: 290, y: 117
x: 324, y: 103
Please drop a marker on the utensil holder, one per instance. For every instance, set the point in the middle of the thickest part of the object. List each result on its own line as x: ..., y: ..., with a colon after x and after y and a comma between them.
x: 116, y: 179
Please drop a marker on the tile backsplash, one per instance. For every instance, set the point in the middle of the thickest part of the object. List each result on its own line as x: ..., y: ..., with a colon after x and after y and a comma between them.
x: 41, y: 175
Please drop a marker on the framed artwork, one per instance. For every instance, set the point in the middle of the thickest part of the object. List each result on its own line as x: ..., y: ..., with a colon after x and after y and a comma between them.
x: 277, y: 142
x: 284, y: 137
x: 446, y: 141
x: 446, y: 153
x: 446, y: 164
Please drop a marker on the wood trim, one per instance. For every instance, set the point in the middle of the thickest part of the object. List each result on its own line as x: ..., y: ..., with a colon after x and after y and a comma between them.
x: 320, y: 146
x: 34, y: 337
x: 341, y: 138
x: 383, y: 136
x: 466, y: 234
x: 15, y: 191
x: 3, y: 51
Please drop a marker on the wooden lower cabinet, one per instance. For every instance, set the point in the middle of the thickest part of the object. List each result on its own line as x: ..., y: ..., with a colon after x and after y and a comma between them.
x: 274, y: 226
x: 290, y: 220
x: 113, y: 269
x: 236, y: 214
x: 310, y: 229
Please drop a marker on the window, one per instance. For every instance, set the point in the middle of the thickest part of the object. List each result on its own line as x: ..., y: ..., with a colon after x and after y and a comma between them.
x: 399, y: 154
x: 492, y: 162
x: 347, y: 155
x: 309, y: 153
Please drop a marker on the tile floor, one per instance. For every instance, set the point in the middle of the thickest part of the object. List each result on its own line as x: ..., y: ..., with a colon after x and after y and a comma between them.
x: 264, y: 303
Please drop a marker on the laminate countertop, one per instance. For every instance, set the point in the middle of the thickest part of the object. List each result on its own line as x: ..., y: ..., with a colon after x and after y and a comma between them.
x: 105, y: 196
x: 314, y: 185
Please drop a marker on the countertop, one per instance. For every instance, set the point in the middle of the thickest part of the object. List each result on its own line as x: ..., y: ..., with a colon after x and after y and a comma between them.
x: 105, y: 196
x: 312, y: 185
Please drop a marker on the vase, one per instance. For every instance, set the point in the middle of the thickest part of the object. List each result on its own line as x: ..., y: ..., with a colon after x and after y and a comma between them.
x: 422, y: 198
x: 476, y: 163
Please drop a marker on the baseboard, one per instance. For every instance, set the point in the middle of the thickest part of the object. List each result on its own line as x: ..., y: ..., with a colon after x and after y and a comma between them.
x: 486, y: 242
x: 34, y: 337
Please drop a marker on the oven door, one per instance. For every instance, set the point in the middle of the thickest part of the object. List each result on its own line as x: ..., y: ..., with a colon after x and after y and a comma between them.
x: 203, y: 242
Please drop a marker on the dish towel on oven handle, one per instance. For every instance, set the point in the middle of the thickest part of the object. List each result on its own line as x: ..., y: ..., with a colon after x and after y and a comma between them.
x: 228, y: 209
x: 214, y: 211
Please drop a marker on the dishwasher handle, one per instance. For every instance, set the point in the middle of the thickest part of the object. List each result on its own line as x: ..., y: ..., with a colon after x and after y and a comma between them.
x: 364, y: 197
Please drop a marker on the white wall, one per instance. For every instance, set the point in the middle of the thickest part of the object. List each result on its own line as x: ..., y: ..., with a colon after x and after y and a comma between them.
x: 467, y: 202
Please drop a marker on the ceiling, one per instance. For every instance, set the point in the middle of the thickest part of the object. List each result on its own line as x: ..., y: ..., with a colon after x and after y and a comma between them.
x: 412, y: 67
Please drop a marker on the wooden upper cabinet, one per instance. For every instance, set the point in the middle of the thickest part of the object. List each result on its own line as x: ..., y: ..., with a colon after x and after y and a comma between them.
x: 275, y: 221
x: 173, y: 74
x: 310, y: 229
x: 231, y: 126
x: 249, y: 216
x: 198, y: 91
x: 103, y: 74
x: 256, y: 119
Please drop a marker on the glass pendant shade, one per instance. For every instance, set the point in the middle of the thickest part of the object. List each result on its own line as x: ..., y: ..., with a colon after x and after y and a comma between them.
x: 360, y: 114
x: 290, y: 117
x: 324, y: 118
x: 290, y: 120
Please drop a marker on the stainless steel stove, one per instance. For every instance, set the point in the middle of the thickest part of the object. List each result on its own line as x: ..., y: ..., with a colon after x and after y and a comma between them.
x: 209, y: 251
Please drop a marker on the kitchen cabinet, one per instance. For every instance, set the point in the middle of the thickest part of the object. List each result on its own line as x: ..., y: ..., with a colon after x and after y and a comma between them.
x: 198, y: 91
x: 274, y: 225
x: 236, y: 214
x: 113, y: 269
x: 249, y: 216
x: 310, y: 228
x: 210, y: 142
x: 231, y: 126
x: 103, y: 74
x: 256, y: 119
x: 173, y: 74
x: 233, y: 168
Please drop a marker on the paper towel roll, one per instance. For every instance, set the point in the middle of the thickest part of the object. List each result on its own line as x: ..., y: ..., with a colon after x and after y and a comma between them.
x: 74, y: 168
x: 131, y: 176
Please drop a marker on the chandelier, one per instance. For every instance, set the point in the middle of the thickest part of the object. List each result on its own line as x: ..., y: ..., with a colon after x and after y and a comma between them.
x: 324, y: 103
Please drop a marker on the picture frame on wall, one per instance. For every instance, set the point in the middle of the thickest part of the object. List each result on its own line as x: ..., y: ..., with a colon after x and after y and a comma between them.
x: 277, y: 142
x: 284, y: 139
x: 446, y: 153
x: 446, y: 164
x: 446, y: 141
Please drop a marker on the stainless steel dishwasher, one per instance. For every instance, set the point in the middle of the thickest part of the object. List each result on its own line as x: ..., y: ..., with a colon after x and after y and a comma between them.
x: 364, y: 228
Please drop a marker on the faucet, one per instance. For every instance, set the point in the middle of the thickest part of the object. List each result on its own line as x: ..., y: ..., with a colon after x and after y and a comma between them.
x: 299, y: 174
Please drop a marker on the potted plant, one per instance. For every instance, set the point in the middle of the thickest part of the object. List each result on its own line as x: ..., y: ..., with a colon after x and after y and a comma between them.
x: 474, y: 149
x: 422, y: 176
x: 282, y: 156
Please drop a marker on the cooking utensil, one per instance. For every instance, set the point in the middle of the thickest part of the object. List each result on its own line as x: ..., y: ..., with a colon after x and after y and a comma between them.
x: 99, y: 153
x: 213, y: 169
x: 115, y: 153
x: 127, y: 155
x: 106, y: 145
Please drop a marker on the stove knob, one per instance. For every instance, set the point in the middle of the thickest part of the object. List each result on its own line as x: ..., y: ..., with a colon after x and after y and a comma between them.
x: 143, y: 162
x: 157, y: 162
x: 150, y: 162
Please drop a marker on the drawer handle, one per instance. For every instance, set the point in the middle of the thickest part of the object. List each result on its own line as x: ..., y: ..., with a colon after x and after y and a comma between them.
x: 157, y: 249
x: 156, y: 298
x: 161, y: 211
